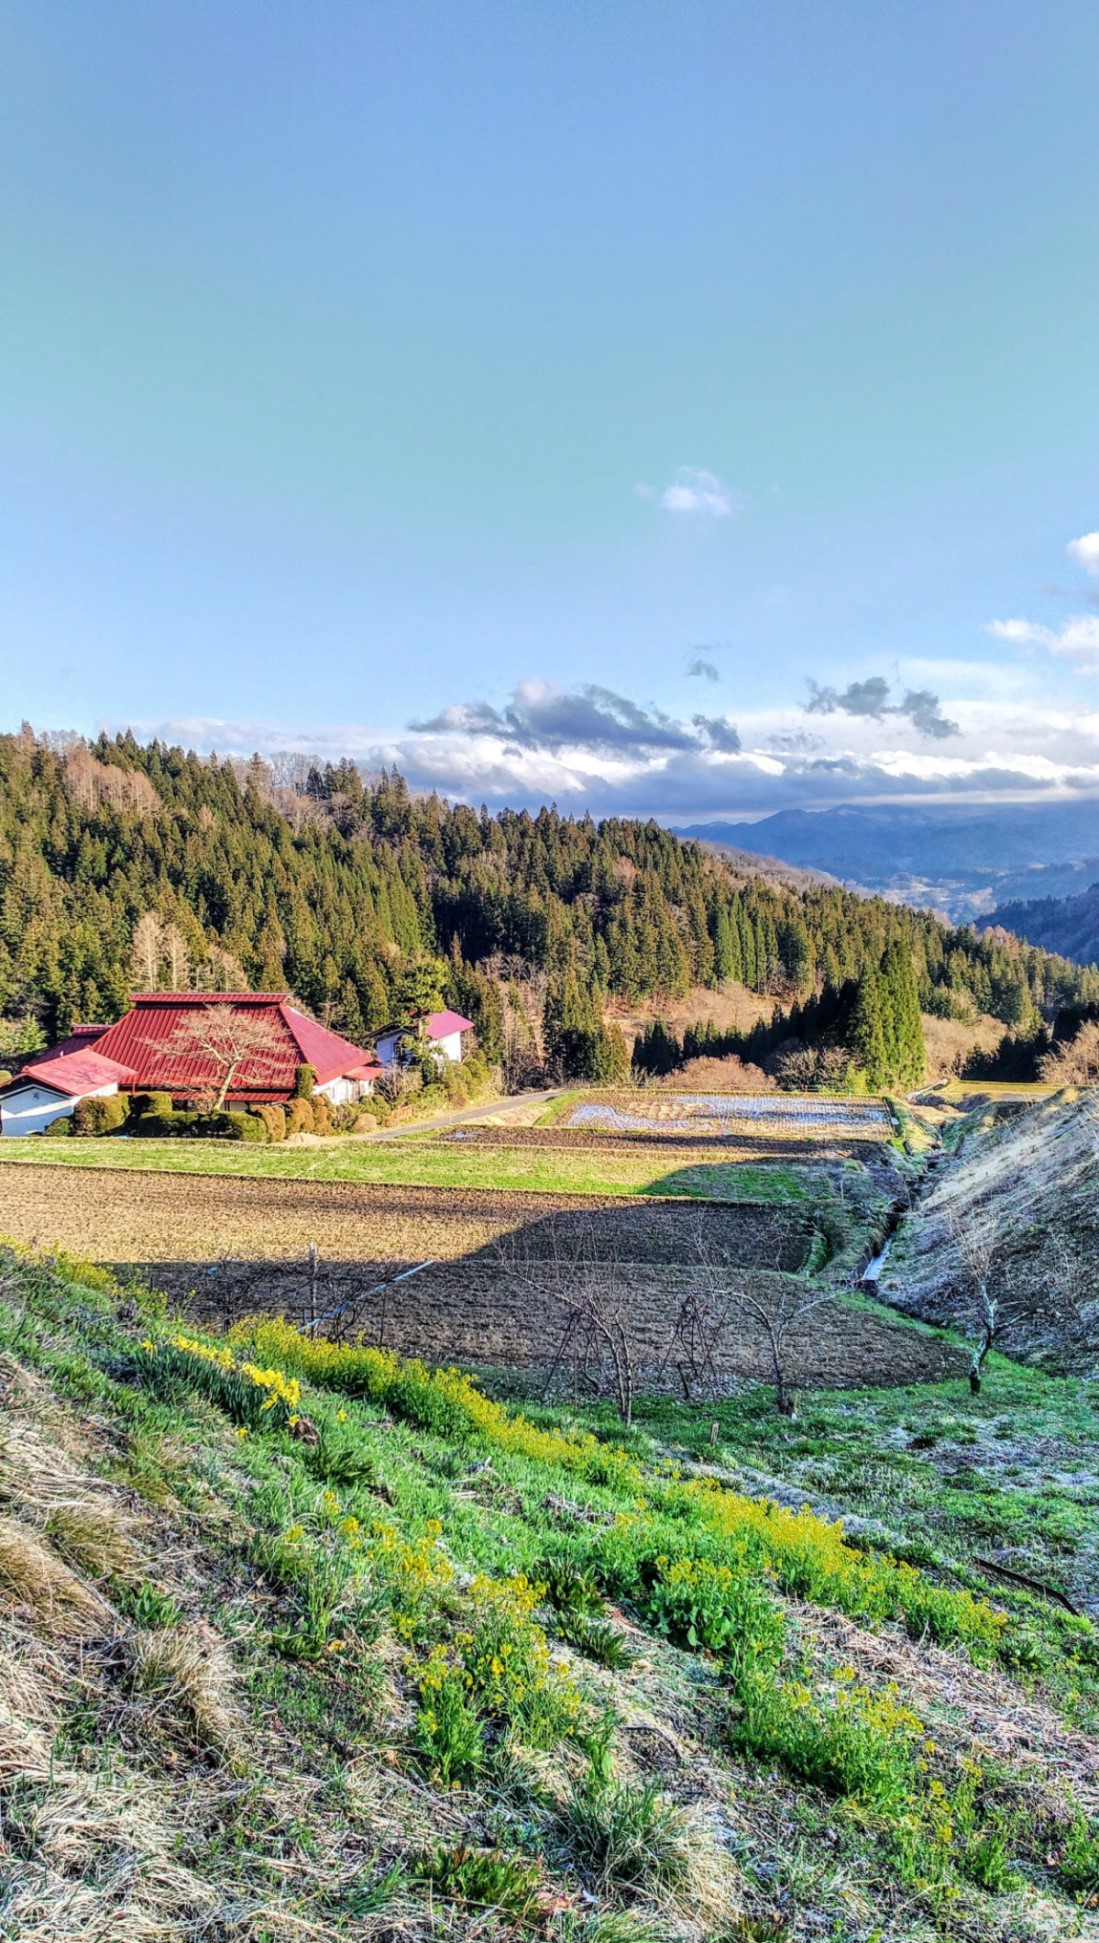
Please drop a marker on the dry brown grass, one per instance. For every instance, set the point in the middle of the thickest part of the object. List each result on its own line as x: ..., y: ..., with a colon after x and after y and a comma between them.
x: 90, y: 1536
x: 35, y: 1581
x: 187, y: 1679
x: 733, y: 1009
x: 973, y: 1709
x: 105, y: 1867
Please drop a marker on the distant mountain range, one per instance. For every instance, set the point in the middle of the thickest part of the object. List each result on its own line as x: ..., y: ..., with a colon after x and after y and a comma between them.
x: 971, y: 864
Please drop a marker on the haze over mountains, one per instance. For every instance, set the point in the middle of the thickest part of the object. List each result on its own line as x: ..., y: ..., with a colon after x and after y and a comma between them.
x: 966, y: 862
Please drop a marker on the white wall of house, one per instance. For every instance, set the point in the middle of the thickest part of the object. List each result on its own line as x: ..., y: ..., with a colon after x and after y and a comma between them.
x: 341, y: 1090
x: 449, y: 1047
x: 32, y: 1108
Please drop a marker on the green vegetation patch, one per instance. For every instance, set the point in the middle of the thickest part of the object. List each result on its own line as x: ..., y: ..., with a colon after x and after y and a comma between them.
x: 386, y: 1570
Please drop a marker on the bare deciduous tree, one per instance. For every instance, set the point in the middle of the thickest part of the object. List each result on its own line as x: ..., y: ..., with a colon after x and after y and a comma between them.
x: 159, y: 958
x: 1077, y: 1063
x: 975, y: 1243
x: 227, y: 1042
x: 597, y: 1345
x: 778, y: 1307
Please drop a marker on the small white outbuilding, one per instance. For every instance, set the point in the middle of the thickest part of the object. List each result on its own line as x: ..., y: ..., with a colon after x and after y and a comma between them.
x: 51, y: 1089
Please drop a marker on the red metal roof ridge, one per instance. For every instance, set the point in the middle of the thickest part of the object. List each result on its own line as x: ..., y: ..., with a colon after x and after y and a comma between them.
x: 210, y: 998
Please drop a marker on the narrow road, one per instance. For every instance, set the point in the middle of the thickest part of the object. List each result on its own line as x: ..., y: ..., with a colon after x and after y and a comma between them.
x: 443, y: 1120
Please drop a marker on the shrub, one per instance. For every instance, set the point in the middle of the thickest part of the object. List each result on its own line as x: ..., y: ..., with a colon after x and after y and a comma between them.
x: 299, y: 1116
x: 305, y: 1079
x: 161, y: 1126
x: 96, y: 1117
x: 458, y: 1084
x: 274, y: 1119
x: 157, y: 1102
x: 322, y: 1114
x: 369, y: 1113
x: 244, y: 1126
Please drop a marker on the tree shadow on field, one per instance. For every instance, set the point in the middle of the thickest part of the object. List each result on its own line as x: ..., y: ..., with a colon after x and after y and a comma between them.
x: 683, y: 1293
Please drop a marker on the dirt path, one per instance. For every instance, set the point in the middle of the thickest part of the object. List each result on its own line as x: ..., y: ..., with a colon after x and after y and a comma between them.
x: 495, y: 1110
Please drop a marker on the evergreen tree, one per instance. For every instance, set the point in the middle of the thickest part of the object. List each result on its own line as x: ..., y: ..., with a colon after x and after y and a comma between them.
x: 867, y: 1035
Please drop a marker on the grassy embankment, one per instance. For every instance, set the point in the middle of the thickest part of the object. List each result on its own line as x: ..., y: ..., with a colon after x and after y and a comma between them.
x: 424, y: 1160
x: 303, y: 1641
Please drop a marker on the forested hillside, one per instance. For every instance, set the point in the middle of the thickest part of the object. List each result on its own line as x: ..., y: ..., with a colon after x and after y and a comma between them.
x: 124, y: 866
x: 1065, y: 924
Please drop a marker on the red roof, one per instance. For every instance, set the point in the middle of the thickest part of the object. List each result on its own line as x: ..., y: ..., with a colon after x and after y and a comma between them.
x: 144, y: 1040
x: 79, y: 1039
x: 441, y: 1024
x: 76, y: 1073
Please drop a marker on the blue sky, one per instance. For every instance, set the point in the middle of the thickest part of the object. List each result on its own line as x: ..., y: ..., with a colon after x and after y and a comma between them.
x: 443, y: 382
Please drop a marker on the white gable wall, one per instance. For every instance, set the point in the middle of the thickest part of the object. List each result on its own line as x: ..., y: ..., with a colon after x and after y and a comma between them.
x: 340, y: 1090
x: 386, y: 1047
x: 33, y: 1107
x: 449, y: 1047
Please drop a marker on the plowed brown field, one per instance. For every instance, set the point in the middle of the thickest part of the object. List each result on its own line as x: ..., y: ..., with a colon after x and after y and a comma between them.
x: 494, y: 1296
x: 153, y: 1218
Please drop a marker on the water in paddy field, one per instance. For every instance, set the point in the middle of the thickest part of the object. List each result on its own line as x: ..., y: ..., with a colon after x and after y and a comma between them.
x: 703, y: 1112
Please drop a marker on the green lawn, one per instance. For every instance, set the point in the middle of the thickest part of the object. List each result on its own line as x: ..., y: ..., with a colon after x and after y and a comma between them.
x: 425, y: 1161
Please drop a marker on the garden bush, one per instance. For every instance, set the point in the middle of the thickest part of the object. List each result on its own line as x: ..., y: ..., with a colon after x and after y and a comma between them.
x: 156, y: 1102
x: 161, y: 1126
x: 299, y: 1115
x: 369, y: 1113
x: 274, y: 1119
x: 94, y: 1118
x: 244, y: 1126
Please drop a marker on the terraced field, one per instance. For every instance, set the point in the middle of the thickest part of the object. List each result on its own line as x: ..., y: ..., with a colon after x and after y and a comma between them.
x: 677, y: 1192
x: 717, y: 1113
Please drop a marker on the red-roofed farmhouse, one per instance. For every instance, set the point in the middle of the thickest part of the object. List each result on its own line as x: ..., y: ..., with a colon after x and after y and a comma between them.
x: 161, y: 1046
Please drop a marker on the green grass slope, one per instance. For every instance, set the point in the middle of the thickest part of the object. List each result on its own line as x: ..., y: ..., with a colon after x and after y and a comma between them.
x: 424, y: 1160
x: 300, y: 1641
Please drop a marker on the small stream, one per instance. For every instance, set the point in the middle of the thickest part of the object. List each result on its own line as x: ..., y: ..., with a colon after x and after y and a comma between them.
x: 873, y: 1269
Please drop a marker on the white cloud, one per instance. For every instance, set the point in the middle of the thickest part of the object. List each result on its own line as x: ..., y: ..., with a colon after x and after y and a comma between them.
x: 694, y: 490
x: 596, y: 750
x: 1085, y: 552
x: 1076, y: 641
